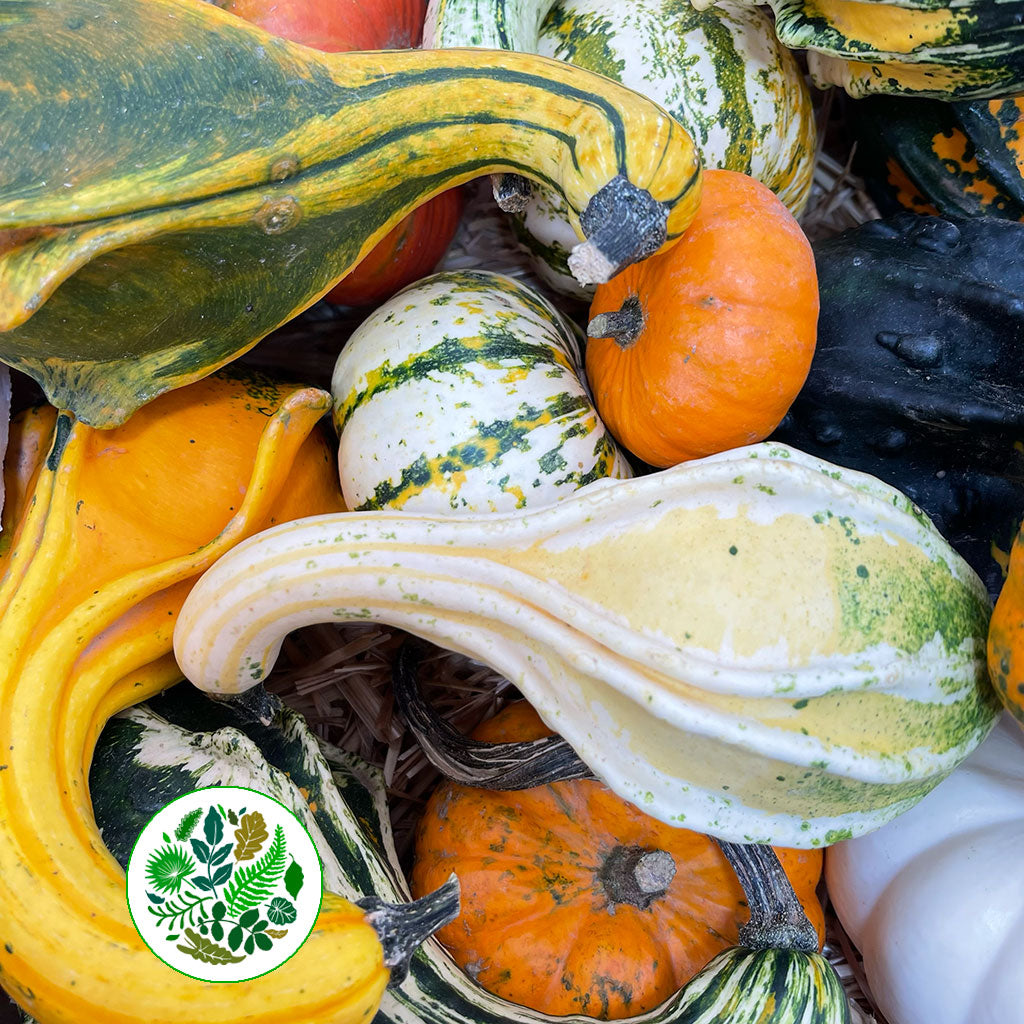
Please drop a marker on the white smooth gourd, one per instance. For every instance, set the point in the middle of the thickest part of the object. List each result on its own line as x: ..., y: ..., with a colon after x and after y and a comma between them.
x: 934, y: 900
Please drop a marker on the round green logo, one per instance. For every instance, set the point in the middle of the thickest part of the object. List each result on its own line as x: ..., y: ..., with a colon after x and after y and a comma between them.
x: 224, y: 884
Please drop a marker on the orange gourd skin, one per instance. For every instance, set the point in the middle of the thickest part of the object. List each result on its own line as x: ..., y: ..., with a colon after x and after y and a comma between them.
x: 408, y: 252
x: 536, y: 925
x: 1006, y: 636
x: 730, y: 320
x: 337, y: 25
x: 414, y: 246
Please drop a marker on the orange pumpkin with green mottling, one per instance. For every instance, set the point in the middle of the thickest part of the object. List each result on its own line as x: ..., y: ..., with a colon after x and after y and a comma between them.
x: 574, y: 901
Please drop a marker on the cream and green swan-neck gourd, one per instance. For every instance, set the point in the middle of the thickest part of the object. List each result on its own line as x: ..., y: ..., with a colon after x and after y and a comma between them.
x: 722, y: 73
x: 144, y: 243
x: 758, y: 645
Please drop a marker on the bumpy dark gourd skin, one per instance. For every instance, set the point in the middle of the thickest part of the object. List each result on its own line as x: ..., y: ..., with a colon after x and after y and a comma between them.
x: 918, y: 377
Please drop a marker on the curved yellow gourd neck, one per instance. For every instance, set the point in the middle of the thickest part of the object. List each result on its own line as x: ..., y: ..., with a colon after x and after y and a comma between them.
x: 370, y: 134
x: 68, y: 949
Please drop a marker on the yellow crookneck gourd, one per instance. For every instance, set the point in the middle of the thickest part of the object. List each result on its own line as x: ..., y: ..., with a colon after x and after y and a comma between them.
x: 108, y: 531
x: 198, y: 226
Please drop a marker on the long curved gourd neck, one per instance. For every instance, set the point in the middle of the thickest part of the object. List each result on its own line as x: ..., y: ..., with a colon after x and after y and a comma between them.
x: 69, y: 951
x: 306, y: 133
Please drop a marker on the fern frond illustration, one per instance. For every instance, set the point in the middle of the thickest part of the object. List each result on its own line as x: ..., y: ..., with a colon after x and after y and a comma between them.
x: 253, y: 884
x: 175, y: 913
x: 167, y: 868
x: 187, y: 825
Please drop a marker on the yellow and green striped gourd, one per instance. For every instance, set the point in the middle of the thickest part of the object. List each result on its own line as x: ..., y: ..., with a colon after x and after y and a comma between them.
x: 176, y: 183
x: 722, y: 73
x: 968, y: 49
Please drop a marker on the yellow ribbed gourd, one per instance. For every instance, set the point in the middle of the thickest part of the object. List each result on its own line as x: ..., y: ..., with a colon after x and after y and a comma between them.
x: 759, y: 645
x: 109, y: 531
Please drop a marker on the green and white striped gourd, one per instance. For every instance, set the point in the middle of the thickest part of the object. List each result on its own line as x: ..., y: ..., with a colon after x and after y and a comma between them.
x: 465, y: 392
x: 967, y: 49
x: 761, y: 645
x: 151, y: 754
x: 721, y: 73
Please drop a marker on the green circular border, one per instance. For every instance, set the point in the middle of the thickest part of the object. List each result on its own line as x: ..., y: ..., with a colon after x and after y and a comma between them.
x: 226, y: 981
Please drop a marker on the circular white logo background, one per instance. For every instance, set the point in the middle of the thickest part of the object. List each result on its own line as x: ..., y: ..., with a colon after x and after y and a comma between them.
x: 224, y: 884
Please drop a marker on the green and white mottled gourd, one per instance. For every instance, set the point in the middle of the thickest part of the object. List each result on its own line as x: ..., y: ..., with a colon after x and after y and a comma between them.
x: 465, y: 392
x: 761, y: 645
x: 721, y: 73
x: 149, y: 755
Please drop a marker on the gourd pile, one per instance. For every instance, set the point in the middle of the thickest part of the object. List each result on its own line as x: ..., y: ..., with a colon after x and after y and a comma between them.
x: 728, y: 510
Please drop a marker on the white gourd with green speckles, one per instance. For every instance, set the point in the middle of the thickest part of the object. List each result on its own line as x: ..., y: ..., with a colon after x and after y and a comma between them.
x: 465, y: 393
x: 721, y: 72
x: 759, y: 645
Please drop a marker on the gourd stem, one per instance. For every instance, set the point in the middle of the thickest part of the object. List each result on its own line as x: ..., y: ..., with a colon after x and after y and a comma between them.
x: 511, y: 192
x: 777, y: 920
x: 472, y: 762
x: 403, y: 927
x: 256, y: 705
x: 636, y: 875
x: 624, y: 326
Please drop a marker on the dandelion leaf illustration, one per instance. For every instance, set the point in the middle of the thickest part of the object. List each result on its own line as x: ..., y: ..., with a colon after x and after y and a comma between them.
x: 168, y: 867
x: 293, y: 878
x: 253, y: 884
x: 207, y: 950
x: 187, y: 825
x: 251, y: 835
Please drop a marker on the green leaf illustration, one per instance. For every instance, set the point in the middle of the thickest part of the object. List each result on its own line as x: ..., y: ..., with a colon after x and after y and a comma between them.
x: 250, y: 944
x: 187, y: 825
x: 249, y: 918
x: 217, y: 931
x: 213, y: 827
x: 281, y: 911
x: 263, y: 941
x: 175, y: 913
x: 218, y: 910
x: 168, y: 867
x: 251, y: 835
x: 293, y: 879
x: 277, y: 933
x: 232, y: 817
x: 235, y: 937
x: 222, y: 874
x: 253, y: 884
x: 207, y: 950
x: 201, y: 850
x: 222, y: 853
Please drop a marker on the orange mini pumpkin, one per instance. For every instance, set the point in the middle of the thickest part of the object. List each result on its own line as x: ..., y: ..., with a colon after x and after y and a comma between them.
x: 704, y: 347
x: 574, y: 901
